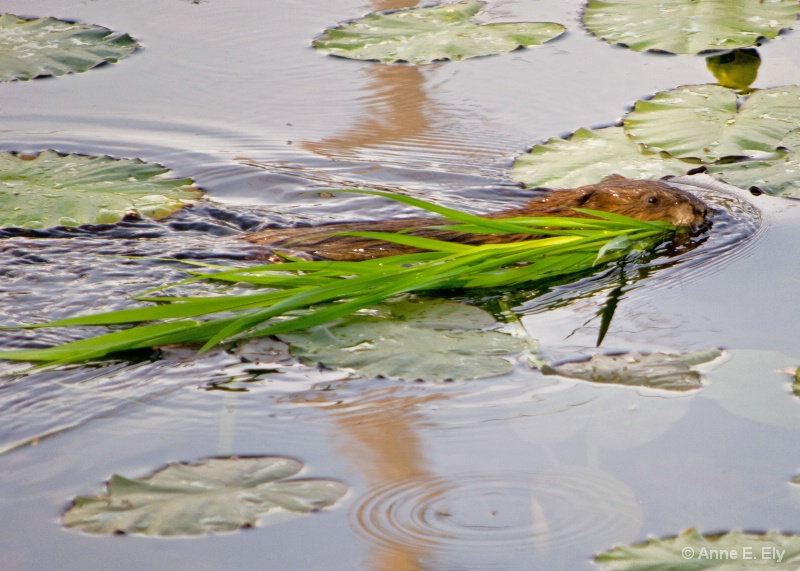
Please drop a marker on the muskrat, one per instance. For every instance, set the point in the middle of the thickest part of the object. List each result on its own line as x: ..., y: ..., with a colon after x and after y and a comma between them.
x: 642, y: 199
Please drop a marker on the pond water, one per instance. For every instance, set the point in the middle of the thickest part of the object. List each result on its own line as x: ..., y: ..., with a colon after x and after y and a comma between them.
x: 521, y: 471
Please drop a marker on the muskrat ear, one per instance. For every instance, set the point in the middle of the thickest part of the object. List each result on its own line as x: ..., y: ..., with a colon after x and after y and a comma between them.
x: 616, y: 176
x: 587, y: 194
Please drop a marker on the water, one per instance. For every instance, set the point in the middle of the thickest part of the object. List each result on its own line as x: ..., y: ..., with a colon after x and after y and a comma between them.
x: 517, y: 472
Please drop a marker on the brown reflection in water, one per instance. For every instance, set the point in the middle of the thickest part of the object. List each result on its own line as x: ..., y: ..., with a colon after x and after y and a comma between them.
x: 378, y: 5
x: 397, y: 110
x: 396, y: 104
x: 379, y: 433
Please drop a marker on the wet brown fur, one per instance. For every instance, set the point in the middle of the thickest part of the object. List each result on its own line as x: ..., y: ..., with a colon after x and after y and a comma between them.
x: 642, y: 199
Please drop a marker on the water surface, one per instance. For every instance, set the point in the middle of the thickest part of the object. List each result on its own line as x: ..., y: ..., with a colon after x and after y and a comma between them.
x: 516, y: 472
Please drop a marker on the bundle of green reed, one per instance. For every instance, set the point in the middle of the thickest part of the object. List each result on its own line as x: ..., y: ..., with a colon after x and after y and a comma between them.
x: 301, y: 294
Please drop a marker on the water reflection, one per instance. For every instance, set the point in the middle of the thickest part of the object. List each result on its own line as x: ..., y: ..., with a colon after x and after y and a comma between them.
x: 378, y: 5
x: 400, y: 118
x: 379, y: 431
x: 398, y: 111
x: 411, y: 512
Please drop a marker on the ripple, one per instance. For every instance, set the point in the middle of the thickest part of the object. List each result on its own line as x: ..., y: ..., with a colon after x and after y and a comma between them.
x: 38, y: 403
x: 736, y: 226
x: 481, y: 511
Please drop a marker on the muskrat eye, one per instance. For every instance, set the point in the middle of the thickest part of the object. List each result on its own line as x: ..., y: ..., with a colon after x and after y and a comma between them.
x: 652, y: 200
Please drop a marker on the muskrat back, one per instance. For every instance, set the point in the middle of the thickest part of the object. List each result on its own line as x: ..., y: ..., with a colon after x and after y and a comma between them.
x: 645, y: 200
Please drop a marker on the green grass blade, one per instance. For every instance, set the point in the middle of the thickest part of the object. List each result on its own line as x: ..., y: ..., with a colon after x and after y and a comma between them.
x: 100, y: 345
x: 414, y: 241
x: 448, y: 213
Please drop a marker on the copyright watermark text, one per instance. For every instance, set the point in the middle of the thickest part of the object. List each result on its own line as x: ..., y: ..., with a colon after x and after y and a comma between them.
x: 744, y: 553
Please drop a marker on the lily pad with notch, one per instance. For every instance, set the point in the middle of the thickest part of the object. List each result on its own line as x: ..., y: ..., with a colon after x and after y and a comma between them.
x: 707, y: 122
x: 692, y: 26
x: 51, y: 189
x: 432, y: 341
x: 41, y: 47
x: 427, y: 34
x: 778, y: 176
x: 587, y: 157
x: 213, y: 496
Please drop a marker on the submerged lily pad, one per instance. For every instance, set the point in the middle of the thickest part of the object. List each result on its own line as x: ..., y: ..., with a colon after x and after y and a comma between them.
x: 657, y: 370
x: 693, y: 551
x: 752, y: 385
x: 213, y: 496
x: 423, y: 35
x: 432, y: 341
x: 692, y: 26
x: 778, y: 176
x: 51, y: 189
x: 587, y: 157
x: 46, y: 46
x: 706, y: 122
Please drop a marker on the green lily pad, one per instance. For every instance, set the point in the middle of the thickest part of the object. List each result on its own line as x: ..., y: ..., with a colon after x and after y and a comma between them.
x: 43, y: 47
x: 587, y: 157
x: 691, y: 26
x: 432, y: 341
x: 693, y: 551
x: 213, y: 496
x: 779, y: 176
x: 706, y: 122
x: 423, y: 35
x: 657, y: 370
x: 50, y: 189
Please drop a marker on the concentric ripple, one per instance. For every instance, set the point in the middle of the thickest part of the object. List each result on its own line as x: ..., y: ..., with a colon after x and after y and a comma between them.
x: 482, y: 511
x: 736, y: 224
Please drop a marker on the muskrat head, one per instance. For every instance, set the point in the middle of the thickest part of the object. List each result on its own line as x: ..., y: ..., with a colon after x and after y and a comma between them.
x: 646, y: 200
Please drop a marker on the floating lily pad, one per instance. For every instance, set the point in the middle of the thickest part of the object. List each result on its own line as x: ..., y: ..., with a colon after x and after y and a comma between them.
x: 423, y: 35
x: 47, y: 46
x: 693, y: 551
x: 657, y: 370
x: 213, y: 496
x: 433, y: 341
x: 50, y: 189
x: 587, y: 157
x: 706, y: 122
x: 688, y: 26
x: 778, y: 176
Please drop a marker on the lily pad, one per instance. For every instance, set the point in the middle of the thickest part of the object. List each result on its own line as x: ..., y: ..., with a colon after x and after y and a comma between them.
x: 213, y: 496
x: 657, y: 370
x: 693, y: 551
x: 432, y: 341
x: 423, y: 35
x: 707, y: 122
x: 692, y: 26
x: 779, y: 176
x: 50, y: 189
x: 43, y: 47
x: 587, y: 157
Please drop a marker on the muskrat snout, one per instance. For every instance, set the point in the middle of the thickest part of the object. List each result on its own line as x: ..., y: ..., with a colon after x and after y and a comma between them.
x: 678, y: 207
x: 647, y: 200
